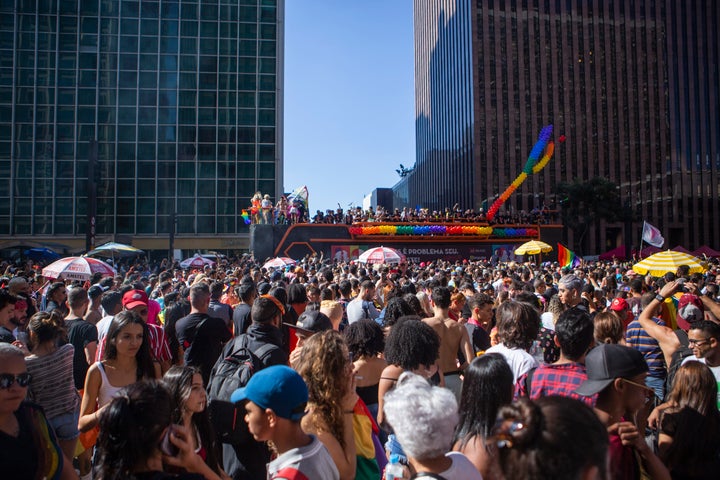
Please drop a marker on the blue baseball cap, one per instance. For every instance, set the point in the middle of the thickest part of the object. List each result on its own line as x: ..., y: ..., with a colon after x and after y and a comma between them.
x: 279, y: 388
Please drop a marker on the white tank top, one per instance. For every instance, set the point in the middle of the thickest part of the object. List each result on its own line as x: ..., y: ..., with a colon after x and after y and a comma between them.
x: 107, y: 392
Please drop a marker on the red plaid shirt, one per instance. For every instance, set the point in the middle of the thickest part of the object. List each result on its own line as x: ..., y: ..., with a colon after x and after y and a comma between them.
x: 560, y: 379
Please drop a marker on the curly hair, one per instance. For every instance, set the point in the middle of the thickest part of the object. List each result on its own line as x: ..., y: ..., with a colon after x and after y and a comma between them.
x: 396, y: 307
x: 518, y: 324
x: 325, y: 366
x: 412, y: 343
x: 365, y: 338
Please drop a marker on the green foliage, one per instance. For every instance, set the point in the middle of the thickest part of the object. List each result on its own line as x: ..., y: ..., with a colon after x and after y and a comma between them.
x: 586, y: 203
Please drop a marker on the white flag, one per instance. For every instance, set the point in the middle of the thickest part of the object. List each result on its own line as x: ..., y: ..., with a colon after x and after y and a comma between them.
x: 652, y: 235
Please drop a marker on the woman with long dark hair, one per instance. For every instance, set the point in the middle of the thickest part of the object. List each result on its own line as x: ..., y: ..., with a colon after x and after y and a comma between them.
x: 137, y: 435
x: 689, y: 440
x: 488, y: 385
x: 187, y: 391
x: 126, y: 360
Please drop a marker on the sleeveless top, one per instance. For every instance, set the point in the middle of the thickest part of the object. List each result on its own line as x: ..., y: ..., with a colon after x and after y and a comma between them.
x: 368, y: 394
x: 107, y: 391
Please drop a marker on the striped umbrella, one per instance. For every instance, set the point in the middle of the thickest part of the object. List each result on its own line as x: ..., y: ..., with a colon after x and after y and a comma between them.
x: 661, y: 263
x: 77, y: 268
x: 279, y: 262
x: 114, y: 249
x: 382, y: 255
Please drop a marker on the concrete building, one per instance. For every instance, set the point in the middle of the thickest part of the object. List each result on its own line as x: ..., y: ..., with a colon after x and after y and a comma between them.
x: 633, y: 85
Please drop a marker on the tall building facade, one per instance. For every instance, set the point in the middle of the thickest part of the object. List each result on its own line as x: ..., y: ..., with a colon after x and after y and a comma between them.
x: 634, y: 85
x: 179, y: 101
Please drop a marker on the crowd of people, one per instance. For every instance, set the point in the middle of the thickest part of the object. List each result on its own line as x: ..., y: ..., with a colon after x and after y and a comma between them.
x: 289, y: 212
x: 334, y: 370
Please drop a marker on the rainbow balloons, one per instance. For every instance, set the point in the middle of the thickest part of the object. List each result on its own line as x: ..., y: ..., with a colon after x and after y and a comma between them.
x: 540, y: 155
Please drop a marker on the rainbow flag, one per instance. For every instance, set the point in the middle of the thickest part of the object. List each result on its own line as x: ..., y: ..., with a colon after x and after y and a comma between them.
x: 566, y: 257
x: 245, y: 217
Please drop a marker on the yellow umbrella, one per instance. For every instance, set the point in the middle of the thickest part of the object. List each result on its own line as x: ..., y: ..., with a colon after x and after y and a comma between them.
x: 660, y: 263
x: 533, y: 247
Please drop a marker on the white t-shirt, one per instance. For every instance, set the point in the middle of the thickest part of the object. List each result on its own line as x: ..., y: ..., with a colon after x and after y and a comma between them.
x: 461, y: 468
x: 519, y: 360
x: 715, y: 371
x: 310, y: 461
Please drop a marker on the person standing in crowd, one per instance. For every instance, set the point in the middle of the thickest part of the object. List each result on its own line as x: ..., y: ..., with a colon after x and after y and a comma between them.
x: 248, y: 461
x: 454, y: 338
x: 201, y: 336
x: 518, y: 324
x: 81, y: 334
x: 616, y: 373
x: 480, y: 322
x: 111, y: 302
x: 552, y: 437
x: 94, y: 313
x: 570, y: 292
x: 637, y: 338
x: 189, y: 399
x: 56, y: 296
x: 366, y: 343
x: 28, y: 446
x: 241, y: 319
x: 363, y: 306
x: 218, y: 309
x: 423, y: 418
x: 704, y: 340
x: 136, y: 438
x: 53, y: 388
x: 689, y: 439
x: 488, y: 385
x: 275, y: 401
x: 126, y: 360
x: 574, y: 336
x: 7, y: 309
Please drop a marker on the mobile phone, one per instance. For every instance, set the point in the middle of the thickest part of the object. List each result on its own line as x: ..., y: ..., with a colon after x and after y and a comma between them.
x: 166, y: 445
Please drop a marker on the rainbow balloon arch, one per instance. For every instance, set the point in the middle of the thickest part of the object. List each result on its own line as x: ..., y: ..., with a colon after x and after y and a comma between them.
x: 437, y: 230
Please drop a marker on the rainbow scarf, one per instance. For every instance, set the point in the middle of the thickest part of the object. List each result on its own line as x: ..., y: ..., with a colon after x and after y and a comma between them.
x: 49, y: 455
x: 566, y: 257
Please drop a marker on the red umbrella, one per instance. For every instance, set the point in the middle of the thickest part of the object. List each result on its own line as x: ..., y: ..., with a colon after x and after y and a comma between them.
x: 198, y: 261
x: 385, y: 255
x: 77, y: 268
x: 279, y: 262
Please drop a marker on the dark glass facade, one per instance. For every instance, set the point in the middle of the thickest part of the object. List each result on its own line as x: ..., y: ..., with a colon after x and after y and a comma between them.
x: 633, y: 84
x: 182, y: 96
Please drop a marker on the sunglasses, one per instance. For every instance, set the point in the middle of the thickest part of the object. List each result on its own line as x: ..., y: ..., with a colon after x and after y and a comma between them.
x: 7, y: 380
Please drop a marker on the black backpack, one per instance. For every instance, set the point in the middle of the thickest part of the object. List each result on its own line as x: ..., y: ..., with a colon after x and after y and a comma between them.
x: 233, y: 370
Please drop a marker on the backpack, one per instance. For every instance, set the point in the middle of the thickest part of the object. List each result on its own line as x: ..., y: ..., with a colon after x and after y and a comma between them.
x: 233, y: 370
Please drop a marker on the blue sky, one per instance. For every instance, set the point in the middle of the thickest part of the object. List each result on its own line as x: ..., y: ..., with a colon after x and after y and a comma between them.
x: 349, y: 97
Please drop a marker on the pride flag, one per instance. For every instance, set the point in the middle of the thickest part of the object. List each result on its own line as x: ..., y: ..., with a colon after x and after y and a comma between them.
x: 566, y: 257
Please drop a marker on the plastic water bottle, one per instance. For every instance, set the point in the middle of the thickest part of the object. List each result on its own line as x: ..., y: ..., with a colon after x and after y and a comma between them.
x: 393, y: 470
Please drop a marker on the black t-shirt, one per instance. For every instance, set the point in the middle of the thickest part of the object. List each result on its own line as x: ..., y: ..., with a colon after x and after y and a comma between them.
x: 202, y: 345
x: 80, y: 334
x: 241, y: 318
x: 33, y: 452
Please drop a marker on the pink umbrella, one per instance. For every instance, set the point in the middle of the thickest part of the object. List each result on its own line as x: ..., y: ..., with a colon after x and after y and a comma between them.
x: 279, y: 262
x: 198, y: 261
x: 385, y: 255
x: 77, y: 268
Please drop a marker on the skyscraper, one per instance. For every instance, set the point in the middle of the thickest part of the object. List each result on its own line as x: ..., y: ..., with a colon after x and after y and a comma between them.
x: 181, y: 100
x: 634, y: 85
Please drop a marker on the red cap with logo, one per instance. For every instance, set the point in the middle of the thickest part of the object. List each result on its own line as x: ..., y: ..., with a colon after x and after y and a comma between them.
x: 134, y: 298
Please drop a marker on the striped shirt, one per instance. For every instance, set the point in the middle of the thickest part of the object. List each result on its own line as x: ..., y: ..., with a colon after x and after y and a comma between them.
x: 159, y: 345
x: 637, y: 338
x: 52, y: 386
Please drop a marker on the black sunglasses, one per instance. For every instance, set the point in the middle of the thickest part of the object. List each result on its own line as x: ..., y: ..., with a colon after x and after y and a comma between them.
x: 7, y: 380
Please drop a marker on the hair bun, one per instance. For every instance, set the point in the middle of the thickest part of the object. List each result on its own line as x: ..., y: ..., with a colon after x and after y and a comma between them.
x: 519, y: 425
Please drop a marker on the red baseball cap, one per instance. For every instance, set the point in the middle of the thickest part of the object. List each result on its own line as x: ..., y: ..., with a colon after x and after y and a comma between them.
x: 619, y: 304
x: 690, y: 309
x: 134, y: 298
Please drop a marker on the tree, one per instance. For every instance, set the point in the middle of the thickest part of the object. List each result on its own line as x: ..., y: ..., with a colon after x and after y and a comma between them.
x: 586, y: 203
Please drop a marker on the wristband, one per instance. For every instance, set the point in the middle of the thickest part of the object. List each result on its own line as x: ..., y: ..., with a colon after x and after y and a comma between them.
x: 659, y: 298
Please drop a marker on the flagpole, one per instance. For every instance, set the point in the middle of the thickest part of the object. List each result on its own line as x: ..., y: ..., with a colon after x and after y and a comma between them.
x: 641, y: 240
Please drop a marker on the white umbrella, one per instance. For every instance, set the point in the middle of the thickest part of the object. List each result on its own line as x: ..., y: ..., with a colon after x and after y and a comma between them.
x: 112, y: 249
x: 381, y: 255
x: 280, y: 262
x: 197, y: 261
x: 77, y: 268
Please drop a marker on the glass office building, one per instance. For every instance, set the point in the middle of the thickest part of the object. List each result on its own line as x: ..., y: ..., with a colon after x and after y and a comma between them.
x: 180, y: 99
x: 633, y: 84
